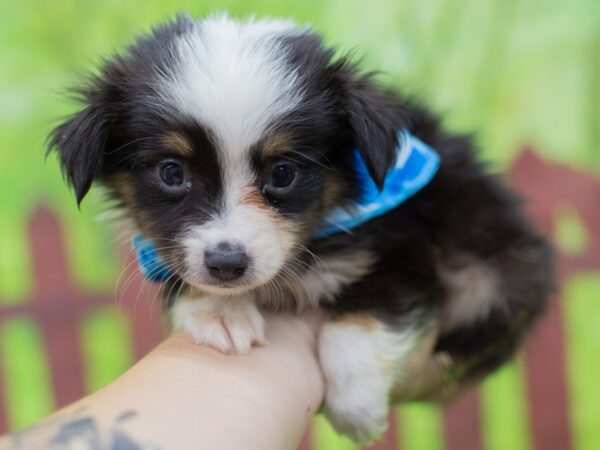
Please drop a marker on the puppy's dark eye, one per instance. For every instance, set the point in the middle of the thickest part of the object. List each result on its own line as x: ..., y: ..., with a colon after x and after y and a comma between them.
x: 172, y: 174
x: 283, y: 175
x: 280, y: 179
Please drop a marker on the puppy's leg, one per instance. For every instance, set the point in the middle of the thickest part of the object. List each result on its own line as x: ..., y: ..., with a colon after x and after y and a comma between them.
x: 362, y: 360
x: 229, y: 325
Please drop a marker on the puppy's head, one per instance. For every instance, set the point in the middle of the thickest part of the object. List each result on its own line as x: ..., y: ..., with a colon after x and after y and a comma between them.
x: 226, y: 143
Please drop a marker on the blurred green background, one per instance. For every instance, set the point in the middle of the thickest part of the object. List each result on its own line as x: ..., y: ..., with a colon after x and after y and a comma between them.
x: 518, y: 72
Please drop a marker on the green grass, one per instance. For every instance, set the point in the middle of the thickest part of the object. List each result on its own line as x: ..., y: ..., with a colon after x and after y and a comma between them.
x: 324, y: 437
x: 583, y: 356
x: 106, y: 345
x: 570, y: 236
x: 27, y: 385
x: 504, y: 410
x: 420, y: 427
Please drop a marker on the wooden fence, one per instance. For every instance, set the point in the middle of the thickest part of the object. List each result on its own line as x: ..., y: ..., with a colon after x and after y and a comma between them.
x: 58, y: 305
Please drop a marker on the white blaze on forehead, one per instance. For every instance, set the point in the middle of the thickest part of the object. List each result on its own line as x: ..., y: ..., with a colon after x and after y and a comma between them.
x: 233, y: 77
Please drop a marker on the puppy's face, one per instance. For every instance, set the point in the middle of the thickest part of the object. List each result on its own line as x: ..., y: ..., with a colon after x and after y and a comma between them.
x: 225, y: 218
x: 226, y: 143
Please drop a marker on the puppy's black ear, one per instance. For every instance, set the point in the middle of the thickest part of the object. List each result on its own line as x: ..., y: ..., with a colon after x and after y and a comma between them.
x: 80, y: 143
x: 375, y: 116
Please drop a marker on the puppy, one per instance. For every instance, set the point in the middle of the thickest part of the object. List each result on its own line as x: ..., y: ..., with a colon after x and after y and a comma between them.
x: 265, y: 173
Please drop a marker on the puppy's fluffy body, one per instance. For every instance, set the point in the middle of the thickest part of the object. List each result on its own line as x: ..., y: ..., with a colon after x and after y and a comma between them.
x: 195, y: 131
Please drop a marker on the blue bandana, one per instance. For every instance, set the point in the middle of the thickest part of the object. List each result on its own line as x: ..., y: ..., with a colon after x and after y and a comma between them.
x: 151, y: 266
x: 416, y: 164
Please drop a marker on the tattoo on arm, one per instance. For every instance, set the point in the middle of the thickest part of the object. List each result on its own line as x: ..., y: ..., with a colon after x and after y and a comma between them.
x: 79, y: 431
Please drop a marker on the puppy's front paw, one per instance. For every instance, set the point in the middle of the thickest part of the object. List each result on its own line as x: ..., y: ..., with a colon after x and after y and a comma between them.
x: 360, y: 416
x: 229, y: 327
x: 359, y: 357
x: 245, y: 326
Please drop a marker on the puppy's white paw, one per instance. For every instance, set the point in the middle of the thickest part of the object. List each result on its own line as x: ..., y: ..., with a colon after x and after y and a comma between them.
x: 246, y: 326
x: 361, y: 358
x: 208, y: 329
x: 359, y: 415
x: 230, y: 326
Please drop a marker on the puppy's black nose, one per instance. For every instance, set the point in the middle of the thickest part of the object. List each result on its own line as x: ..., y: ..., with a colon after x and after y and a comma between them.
x: 226, y: 262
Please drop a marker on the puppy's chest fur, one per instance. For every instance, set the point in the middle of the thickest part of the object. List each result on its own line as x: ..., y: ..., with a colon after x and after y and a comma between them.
x: 317, y: 279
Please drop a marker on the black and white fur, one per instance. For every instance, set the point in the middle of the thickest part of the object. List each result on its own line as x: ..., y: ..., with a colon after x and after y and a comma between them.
x: 455, y: 271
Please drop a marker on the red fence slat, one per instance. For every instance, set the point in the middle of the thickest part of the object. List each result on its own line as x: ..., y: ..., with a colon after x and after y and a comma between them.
x: 49, y: 258
x: 3, y: 409
x: 59, y: 326
x: 141, y: 302
x: 547, y: 384
x: 462, y: 423
x: 545, y: 355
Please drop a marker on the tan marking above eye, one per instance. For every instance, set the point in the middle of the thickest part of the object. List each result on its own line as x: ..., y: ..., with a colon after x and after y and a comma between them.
x: 276, y: 144
x: 177, y: 143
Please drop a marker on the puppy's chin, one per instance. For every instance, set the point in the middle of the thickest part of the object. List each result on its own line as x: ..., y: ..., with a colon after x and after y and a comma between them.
x: 226, y: 289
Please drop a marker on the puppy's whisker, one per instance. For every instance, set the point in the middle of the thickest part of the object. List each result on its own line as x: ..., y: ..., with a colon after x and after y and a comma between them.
x: 317, y: 259
x: 117, y: 150
x: 330, y: 167
x: 157, y: 292
x: 122, y: 273
x: 164, y: 284
x: 293, y: 278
